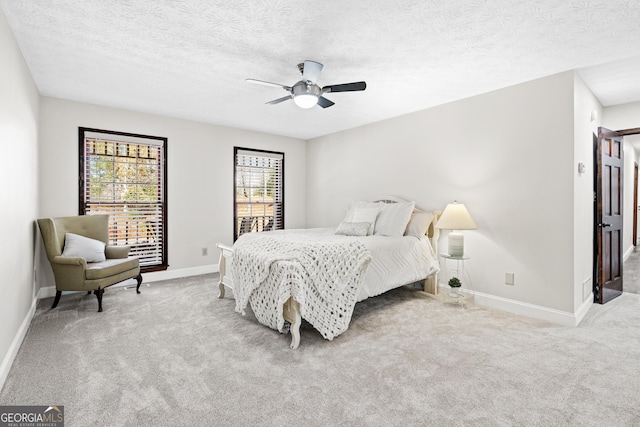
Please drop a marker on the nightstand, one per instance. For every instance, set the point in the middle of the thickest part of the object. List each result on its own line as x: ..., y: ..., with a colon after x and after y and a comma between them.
x: 453, y: 266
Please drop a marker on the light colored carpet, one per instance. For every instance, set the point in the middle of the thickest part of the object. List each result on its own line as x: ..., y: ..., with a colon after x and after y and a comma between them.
x: 176, y: 355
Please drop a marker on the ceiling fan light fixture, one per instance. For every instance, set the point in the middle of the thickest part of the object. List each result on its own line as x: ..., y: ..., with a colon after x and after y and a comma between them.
x: 305, y: 94
x: 305, y: 100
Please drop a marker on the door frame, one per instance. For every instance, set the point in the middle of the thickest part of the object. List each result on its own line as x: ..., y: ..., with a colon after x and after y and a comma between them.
x: 596, y: 228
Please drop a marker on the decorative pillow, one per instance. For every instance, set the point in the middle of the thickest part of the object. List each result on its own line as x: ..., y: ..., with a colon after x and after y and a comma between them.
x: 418, y: 224
x: 393, y: 218
x: 363, y: 212
x: 353, y: 228
x: 79, y: 246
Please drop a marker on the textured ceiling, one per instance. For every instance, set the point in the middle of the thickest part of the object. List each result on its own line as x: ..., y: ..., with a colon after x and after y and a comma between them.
x: 189, y: 58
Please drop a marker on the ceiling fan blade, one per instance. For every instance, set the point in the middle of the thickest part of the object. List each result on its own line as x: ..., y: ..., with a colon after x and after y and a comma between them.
x: 311, y: 71
x: 324, y: 102
x: 279, y: 100
x: 263, y: 83
x: 346, y: 87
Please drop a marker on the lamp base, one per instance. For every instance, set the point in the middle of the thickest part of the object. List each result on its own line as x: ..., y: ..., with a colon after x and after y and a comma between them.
x: 456, y: 244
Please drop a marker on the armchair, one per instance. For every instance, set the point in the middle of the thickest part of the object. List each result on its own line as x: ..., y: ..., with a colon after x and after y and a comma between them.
x: 75, y: 273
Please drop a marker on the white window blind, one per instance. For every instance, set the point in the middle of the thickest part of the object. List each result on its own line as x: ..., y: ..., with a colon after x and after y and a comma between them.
x: 124, y: 177
x: 259, y: 191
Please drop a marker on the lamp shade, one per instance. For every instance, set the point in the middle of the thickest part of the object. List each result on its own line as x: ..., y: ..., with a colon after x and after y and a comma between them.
x: 456, y: 217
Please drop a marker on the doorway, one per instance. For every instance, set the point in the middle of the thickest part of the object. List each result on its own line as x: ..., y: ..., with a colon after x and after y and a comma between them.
x: 608, y: 256
x: 635, y: 204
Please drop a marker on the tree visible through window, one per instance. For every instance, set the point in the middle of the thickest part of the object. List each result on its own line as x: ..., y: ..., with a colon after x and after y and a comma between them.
x: 259, y: 191
x: 124, y: 175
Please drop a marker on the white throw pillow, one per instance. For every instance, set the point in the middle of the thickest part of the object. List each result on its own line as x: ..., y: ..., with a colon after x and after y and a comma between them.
x: 353, y: 228
x: 418, y: 224
x: 368, y: 215
x: 393, y: 218
x: 83, y: 247
x: 363, y: 212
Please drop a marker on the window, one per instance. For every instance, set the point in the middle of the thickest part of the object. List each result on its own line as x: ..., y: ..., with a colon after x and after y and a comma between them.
x: 259, y: 191
x: 125, y: 175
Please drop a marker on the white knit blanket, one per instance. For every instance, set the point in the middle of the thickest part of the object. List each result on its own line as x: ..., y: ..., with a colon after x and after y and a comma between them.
x: 322, y: 273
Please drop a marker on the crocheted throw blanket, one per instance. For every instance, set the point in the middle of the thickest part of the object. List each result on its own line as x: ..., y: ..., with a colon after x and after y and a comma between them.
x: 322, y: 273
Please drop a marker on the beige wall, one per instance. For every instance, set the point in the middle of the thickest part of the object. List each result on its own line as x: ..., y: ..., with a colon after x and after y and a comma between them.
x: 19, y: 196
x: 200, y: 176
x: 508, y: 155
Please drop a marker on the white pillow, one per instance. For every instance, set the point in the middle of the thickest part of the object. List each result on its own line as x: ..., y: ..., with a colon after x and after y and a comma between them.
x: 83, y: 247
x: 393, y: 218
x: 363, y: 212
x: 418, y: 224
x: 368, y: 215
x: 361, y: 205
x: 353, y: 228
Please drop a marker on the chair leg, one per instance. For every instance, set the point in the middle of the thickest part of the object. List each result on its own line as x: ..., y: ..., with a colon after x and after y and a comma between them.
x: 139, y: 279
x: 56, y: 300
x: 99, y: 293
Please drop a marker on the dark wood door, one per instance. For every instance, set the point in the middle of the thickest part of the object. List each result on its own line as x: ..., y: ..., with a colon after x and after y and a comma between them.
x: 609, y: 181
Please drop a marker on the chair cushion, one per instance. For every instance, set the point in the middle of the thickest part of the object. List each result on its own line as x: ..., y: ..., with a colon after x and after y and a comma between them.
x: 110, y: 267
x: 91, y: 250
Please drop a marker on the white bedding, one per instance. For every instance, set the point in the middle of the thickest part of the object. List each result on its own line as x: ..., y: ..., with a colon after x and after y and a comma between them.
x: 324, y: 272
x: 396, y: 261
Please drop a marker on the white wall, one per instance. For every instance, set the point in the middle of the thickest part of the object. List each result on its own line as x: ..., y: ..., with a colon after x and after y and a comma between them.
x: 585, y: 126
x: 19, y: 196
x: 625, y: 116
x: 200, y: 176
x: 627, y: 201
x: 508, y: 155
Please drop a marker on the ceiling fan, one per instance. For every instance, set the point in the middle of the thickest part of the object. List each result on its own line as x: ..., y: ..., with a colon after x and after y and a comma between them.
x: 306, y: 93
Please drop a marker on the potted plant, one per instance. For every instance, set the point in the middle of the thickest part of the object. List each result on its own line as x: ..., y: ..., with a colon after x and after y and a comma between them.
x: 455, y: 285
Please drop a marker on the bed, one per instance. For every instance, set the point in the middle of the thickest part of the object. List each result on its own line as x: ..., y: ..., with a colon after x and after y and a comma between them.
x: 319, y: 274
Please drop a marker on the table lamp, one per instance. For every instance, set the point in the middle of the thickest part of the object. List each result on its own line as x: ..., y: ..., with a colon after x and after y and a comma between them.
x: 456, y: 217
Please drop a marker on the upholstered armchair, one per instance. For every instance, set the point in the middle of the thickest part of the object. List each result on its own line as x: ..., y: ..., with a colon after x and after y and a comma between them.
x: 81, y: 264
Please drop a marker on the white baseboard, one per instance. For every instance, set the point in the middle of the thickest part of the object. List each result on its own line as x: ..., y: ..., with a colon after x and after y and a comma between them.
x: 559, y: 317
x: 628, y: 253
x: 16, y: 343
x: 46, y: 292
x: 584, y: 308
x: 156, y: 276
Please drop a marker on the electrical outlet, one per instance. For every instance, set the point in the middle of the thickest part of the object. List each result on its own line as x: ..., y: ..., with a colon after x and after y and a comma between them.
x: 205, y: 251
x: 509, y: 279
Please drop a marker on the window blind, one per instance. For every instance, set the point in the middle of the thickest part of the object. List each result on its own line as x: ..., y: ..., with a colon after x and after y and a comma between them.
x: 124, y: 177
x: 259, y: 191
